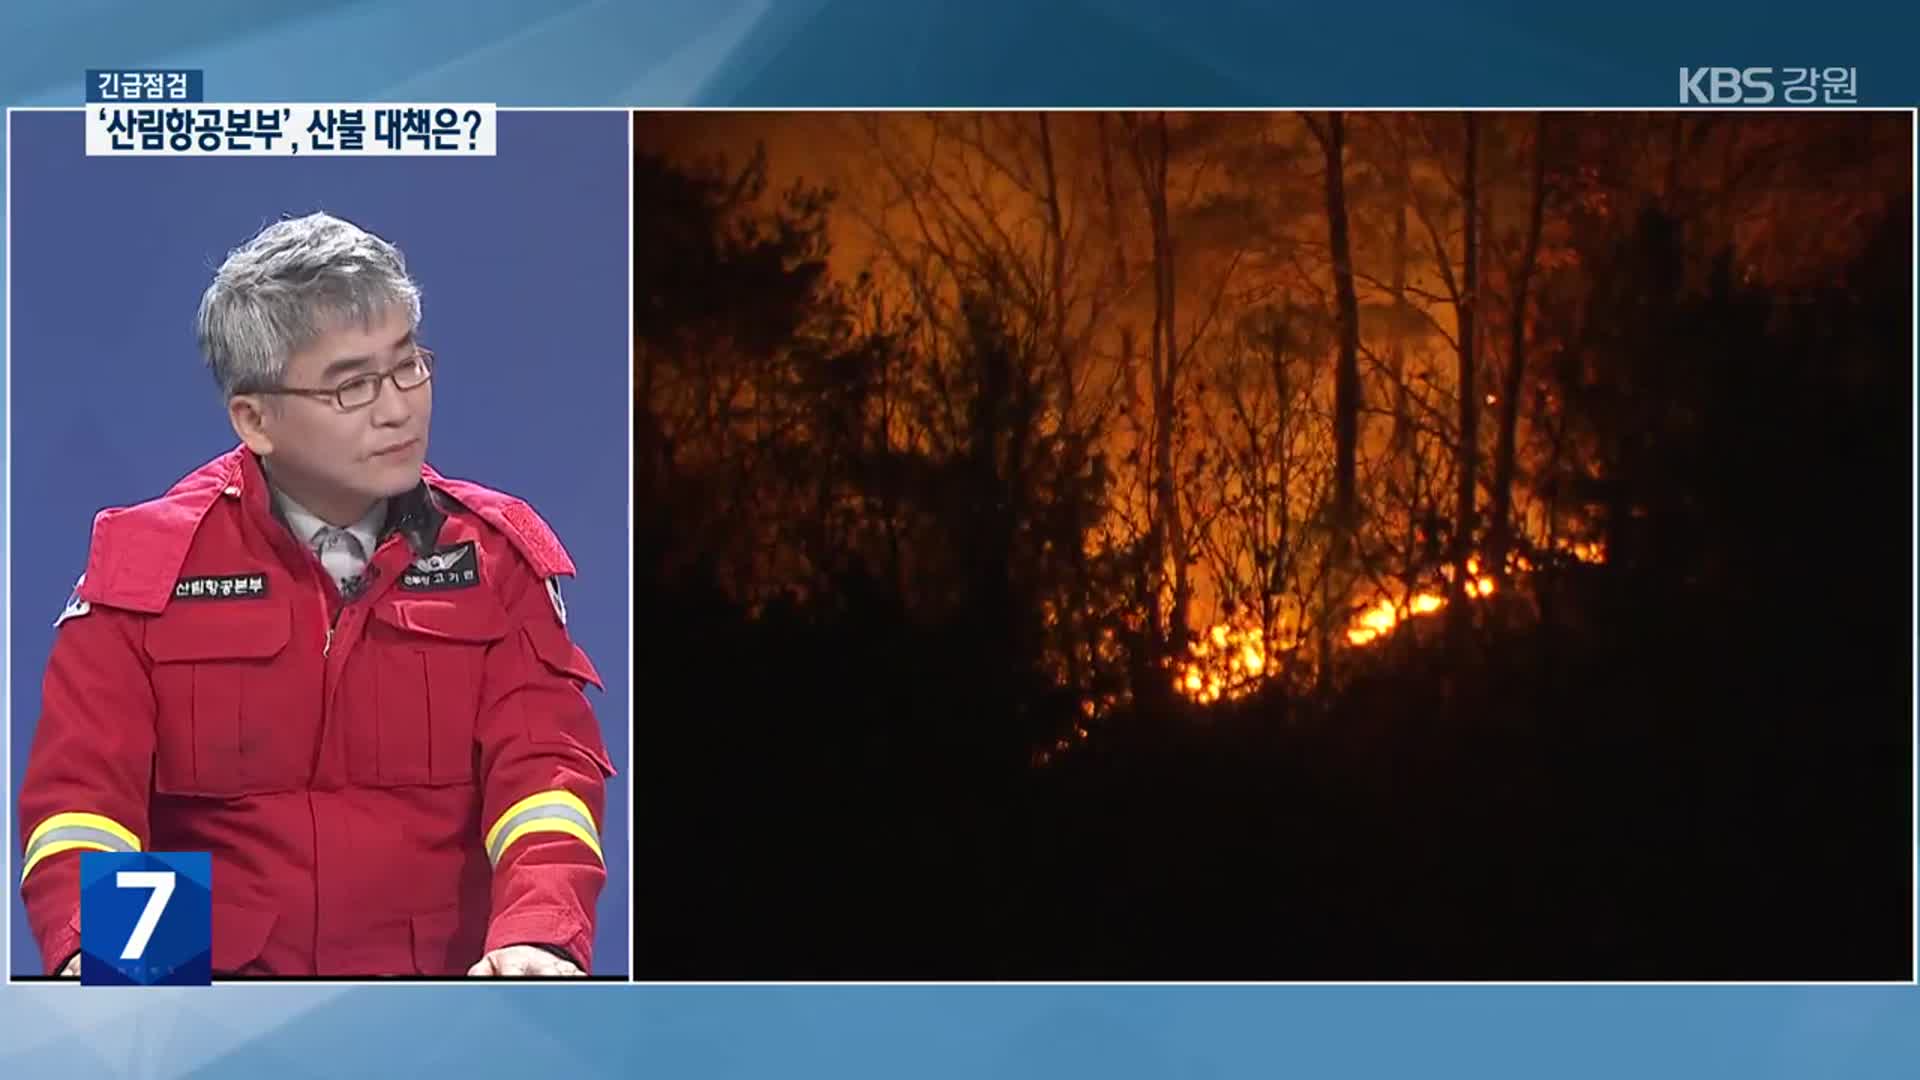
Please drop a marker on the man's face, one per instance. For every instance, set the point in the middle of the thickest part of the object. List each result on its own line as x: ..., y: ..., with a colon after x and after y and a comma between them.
x: 331, y: 458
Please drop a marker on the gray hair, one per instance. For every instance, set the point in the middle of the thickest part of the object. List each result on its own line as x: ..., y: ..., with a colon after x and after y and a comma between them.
x: 295, y: 280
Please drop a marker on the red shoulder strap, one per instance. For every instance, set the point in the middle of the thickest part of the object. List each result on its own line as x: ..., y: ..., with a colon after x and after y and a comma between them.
x: 529, y: 534
x: 136, y: 551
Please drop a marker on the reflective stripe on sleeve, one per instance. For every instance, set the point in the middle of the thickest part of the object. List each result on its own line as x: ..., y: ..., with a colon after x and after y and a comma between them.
x: 549, y: 811
x: 76, y: 831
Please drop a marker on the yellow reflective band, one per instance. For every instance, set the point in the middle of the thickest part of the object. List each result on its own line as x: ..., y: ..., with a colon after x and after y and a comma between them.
x: 559, y: 825
x: 57, y: 847
x: 73, y: 831
x: 553, y: 811
x: 75, y: 819
x: 556, y: 797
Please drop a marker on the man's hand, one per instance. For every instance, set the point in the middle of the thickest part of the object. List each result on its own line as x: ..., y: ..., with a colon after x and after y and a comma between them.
x: 72, y: 970
x: 523, y: 960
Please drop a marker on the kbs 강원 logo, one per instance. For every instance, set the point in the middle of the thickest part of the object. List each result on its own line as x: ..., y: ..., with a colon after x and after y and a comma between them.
x: 1759, y: 86
x: 146, y: 918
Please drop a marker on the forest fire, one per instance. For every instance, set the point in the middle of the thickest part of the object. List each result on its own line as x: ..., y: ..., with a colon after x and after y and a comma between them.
x: 1120, y: 373
x: 1081, y: 489
x: 1229, y: 661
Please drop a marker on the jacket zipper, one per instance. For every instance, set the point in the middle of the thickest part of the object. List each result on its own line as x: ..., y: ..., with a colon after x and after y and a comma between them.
x: 333, y: 623
x: 332, y: 615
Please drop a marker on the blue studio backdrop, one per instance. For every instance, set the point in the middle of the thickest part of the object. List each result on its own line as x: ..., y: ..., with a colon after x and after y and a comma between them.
x: 522, y: 262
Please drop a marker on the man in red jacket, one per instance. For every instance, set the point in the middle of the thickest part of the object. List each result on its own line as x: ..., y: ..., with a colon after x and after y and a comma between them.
x: 346, y: 676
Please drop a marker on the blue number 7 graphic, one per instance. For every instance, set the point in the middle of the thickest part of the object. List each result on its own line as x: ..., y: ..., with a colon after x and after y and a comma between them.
x: 146, y: 918
x: 161, y: 882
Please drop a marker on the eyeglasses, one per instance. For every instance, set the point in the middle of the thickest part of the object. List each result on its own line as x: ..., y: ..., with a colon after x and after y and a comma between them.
x: 363, y: 390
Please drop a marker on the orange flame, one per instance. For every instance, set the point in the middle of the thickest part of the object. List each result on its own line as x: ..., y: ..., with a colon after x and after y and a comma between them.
x: 1228, y: 661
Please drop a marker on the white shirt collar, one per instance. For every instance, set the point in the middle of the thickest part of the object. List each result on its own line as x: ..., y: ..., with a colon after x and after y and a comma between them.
x: 306, y: 524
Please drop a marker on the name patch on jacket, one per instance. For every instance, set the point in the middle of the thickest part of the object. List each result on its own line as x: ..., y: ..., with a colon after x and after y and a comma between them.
x: 456, y: 567
x: 221, y: 587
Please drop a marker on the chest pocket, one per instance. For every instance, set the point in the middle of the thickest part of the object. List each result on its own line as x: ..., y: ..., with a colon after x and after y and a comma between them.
x: 230, y: 716
x: 413, y: 688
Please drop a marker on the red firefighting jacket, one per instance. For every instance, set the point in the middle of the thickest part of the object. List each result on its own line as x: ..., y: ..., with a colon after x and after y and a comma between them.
x: 391, y: 785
